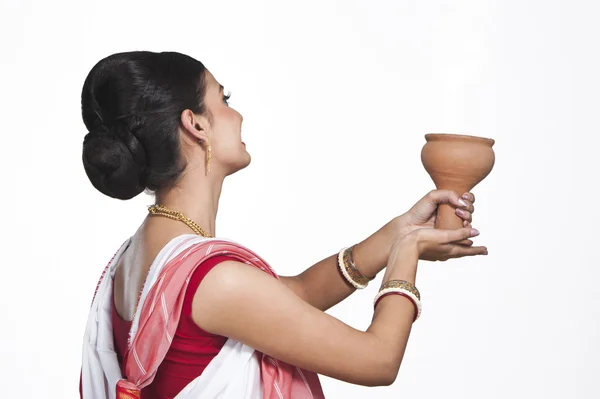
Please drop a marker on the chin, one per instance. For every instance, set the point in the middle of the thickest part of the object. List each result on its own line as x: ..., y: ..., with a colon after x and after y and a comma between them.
x: 241, y: 164
x: 248, y: 160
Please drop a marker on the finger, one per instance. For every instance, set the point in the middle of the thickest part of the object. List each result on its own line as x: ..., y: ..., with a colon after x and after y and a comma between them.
x: 464, y: 215
x: 437, y: 197
x: 459, y: 251
x: 445, y: 197
x: 426, y: 206
x: 451, y: 236
x: 466, y: 202
x: 466, y: 243
x: 466, y: 223
x: 466, y: 205
x: 469, y: 197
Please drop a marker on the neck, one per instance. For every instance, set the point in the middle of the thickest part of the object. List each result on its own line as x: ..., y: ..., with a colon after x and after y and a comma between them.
x: 197, y: 197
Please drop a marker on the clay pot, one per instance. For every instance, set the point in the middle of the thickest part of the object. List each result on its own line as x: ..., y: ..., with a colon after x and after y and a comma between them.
x: 456, y: 162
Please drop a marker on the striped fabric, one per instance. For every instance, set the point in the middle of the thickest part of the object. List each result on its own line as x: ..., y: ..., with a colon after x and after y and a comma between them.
x: 157, y: 319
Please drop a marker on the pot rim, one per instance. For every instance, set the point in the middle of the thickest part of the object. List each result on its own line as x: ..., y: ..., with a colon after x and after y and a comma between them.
x: 458, y: 137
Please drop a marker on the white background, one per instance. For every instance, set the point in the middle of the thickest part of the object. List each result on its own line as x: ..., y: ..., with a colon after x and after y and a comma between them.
x: 336, y: 97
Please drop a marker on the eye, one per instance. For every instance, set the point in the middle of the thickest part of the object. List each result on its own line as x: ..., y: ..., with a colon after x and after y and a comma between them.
x: 226, y: 98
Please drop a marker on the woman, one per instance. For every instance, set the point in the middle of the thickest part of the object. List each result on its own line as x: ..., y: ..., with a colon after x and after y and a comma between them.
x: 180, y: 313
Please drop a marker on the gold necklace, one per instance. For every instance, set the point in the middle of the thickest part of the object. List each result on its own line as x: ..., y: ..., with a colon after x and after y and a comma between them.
x: 161, y: 210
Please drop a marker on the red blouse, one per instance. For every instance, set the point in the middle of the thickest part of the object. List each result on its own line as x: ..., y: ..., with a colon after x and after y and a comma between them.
x: 191, y: 350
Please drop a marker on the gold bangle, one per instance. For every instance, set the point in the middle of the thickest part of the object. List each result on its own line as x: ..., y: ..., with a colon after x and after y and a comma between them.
x: 350, y: 271
x: 403, y: 285
x: 345, y: 271
x: 353, y: 265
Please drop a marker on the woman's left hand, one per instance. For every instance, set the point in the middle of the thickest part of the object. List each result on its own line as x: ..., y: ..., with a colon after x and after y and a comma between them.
x: 423, y: 213
x: 371, y: 255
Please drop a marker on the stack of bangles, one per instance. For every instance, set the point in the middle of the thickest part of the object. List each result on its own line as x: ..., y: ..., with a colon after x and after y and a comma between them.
x: 355, y: 278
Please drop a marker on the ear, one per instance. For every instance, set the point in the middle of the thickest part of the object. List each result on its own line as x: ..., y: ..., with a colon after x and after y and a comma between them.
x: 195, y: 126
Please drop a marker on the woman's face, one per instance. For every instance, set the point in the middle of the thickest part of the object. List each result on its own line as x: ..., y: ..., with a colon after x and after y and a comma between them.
x: 225, y: 132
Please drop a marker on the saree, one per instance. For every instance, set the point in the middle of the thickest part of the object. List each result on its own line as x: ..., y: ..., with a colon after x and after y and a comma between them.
x: 238, y: 371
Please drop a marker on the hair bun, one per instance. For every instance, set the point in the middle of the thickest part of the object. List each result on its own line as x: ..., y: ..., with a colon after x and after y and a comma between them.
x: 115, y: 162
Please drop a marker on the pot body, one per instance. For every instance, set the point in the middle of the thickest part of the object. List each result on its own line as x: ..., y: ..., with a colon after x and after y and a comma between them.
x: 456, y: 162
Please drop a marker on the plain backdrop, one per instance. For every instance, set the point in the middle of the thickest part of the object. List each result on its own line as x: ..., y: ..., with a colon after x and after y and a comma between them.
x: 336, y: 98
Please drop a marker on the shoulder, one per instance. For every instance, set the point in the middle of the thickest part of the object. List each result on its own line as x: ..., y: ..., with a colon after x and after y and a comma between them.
x: 232, y: 287
x: 199, y: 274
x: 228, y: 276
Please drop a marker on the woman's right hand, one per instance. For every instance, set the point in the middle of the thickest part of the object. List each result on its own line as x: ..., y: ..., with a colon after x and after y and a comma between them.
x: 428, y: 244
x: 441, y: 245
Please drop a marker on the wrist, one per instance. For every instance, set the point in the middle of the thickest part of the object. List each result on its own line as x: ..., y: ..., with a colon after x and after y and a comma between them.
x: 371, y: 255
x: 409, y: 244
x: 400, y: 225
x: 403, y: 261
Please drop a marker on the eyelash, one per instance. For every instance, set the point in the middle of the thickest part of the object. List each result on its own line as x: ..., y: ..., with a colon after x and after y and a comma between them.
x: 226, y: 98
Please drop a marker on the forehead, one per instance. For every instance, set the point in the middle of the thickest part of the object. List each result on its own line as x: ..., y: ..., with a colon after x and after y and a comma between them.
x: 211, y: 82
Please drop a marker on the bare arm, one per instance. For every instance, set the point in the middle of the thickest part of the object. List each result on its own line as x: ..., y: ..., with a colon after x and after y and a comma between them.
x: 246, y: 304
x: 322, y: 286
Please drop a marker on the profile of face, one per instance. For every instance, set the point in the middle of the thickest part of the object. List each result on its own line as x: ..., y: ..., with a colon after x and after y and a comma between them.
x: 222, y: 127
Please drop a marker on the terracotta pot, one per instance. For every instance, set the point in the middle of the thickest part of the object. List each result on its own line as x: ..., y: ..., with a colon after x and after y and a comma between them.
x: 456, y: 162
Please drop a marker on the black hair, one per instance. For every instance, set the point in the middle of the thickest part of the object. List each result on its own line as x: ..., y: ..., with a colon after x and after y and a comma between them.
x: 131, y: 104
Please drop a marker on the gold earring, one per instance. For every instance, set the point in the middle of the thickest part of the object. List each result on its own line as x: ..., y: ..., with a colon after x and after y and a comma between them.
x: 208, y: 162
x: 208, y: 157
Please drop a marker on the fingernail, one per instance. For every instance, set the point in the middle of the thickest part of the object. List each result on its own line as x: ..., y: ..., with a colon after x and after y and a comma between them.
x: 460, y: 212
x: 463, y: 203
x: 474, y: 232
x: 466, y: 196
